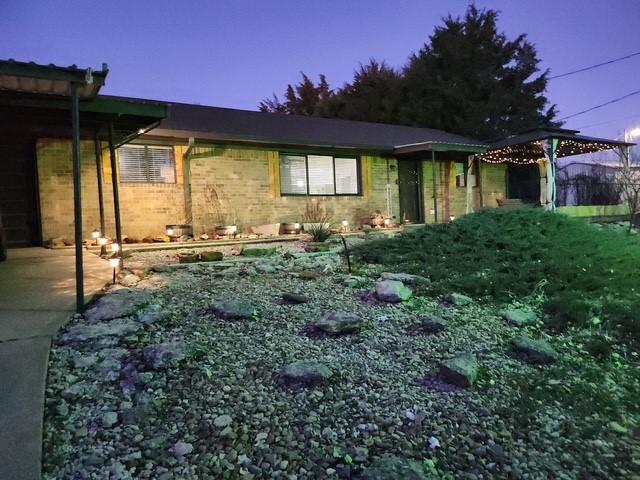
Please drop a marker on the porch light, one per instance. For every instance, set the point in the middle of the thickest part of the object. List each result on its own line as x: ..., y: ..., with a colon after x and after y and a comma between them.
x: 115, y: 263
x: 115, y: 248
x: 170, y: 232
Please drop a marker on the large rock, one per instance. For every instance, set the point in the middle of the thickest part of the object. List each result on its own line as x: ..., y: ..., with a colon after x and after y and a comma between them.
x: 405, y: 278
x: 428, y: 326
x: 118, y: 304
x: 232, y: 310
x: 294, y: 298
x: 537, y: 352
x: 461, y: 370
x: 395, y: 468
x: 518, y: 317
x: 163, y: 355
x: 211, y: 256
x: 114, y: 328
x: 338, y: 323
x: 458, y: 299
x: 258, y: 252
x: 304, y: 373
x: 392, y: 291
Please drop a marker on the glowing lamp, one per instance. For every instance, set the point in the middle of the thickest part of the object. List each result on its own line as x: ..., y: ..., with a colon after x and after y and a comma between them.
x: 452, y: 218
x: 102, y: 241
x: 296, y: 226
x: 115, y: 248
x: 345, y: 223
x: 170, y: 232
x: 234, y: 229
x: 115, y: 263
x: 95, y: 234
x: 387, y: 222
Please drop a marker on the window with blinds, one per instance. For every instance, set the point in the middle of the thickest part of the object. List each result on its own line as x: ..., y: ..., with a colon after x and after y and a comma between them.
x: 147, y: 164
x: 318, y: 175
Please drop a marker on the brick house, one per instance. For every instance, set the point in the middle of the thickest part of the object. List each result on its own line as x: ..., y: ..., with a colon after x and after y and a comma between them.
x: 207, y: 165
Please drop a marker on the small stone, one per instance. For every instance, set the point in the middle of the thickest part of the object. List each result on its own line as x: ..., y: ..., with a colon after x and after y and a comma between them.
x: 294, y: 298
x: 339, y: 323
x: 458, y: 299
x: 222, y: 421
x: 304, y: 373
x: 232, y: 310
x: 537, y: 352
x: 392, y: 291
x: 461, y: 370
x: 180, y: 449
x: 519, y: 317
x: 109, y: 419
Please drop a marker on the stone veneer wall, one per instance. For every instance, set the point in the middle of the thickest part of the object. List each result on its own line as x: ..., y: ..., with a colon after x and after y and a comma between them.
x: 246, y: 182
x: 145, y: 208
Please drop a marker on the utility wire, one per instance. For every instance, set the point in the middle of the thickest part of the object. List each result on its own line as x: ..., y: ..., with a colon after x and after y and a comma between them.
x: 591, y: 67
x: 615, y: 100
x: 613, y: 120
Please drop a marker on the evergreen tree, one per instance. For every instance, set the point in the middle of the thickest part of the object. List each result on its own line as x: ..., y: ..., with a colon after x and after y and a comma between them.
x: 303, y: 98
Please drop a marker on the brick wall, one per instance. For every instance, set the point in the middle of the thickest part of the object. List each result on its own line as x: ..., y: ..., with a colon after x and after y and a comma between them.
x: 245, y: 182
x: 145, y: 208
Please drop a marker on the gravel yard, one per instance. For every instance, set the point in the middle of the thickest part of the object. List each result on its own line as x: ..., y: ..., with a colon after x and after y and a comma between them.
x: 181, y: 376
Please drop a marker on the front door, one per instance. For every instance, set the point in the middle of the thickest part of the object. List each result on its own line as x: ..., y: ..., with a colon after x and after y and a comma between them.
x: 410, y: 186
x: 18, y: 195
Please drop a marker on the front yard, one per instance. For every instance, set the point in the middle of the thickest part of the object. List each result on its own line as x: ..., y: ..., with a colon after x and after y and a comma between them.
x: 182, y: 376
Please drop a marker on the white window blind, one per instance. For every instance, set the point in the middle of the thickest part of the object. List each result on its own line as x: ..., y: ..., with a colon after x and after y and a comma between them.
x: 293, y: 175
x: 346, y: 176
x: 321, y: 181
x: 147, y: 164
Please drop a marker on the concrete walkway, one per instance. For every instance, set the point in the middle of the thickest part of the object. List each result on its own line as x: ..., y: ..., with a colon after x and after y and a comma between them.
x: 37, y: 296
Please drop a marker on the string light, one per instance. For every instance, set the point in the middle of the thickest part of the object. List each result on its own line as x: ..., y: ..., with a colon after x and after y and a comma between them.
x: 532, y: 152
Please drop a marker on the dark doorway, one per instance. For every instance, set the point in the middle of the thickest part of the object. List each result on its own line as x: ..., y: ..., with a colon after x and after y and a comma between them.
x: 18, y: 195
x: 410, y: 187
x: 524, y: 182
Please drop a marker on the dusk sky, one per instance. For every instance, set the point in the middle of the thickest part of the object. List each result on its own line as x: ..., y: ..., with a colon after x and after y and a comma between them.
x: 235, y: 53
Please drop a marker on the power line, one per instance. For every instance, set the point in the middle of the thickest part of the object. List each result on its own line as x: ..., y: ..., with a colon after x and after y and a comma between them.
x: 613, y: 120
x: 615, y: 100
x: 591, y: 67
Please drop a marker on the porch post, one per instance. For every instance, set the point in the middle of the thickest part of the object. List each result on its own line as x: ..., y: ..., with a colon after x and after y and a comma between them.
x: 116, y: 192
x: 480, y: 182
x: 98, y: 150
x: 435, y: 193
x: 469, y: 208
x: 77, y: 196
x: 552, y: 145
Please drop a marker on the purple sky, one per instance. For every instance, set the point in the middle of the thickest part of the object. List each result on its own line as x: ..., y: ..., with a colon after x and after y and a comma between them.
x: 234, y: 53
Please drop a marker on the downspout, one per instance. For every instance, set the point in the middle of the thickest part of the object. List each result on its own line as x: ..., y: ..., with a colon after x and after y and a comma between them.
x: 389, y: 193
x: 480, y: 182
x: 186, y: 174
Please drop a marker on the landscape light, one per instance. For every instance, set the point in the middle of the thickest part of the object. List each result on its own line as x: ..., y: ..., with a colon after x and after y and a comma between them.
x: 102, y: 241
x: 296, y: 226
x: 115, y: 248
x: 95, y: 234
x: 387, y: 222
x: 114, y: 262
x: 170, y: 232
x: 345, y: 223
x: 234, y: 229
x: 452, y: 218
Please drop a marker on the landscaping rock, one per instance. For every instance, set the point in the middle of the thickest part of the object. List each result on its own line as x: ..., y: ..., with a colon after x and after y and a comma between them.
x: 118, y: 304
x: 537, y: 352
x: 258, y: 252
x: 309, y: 275
x: 304, y: 373
x: 428, y: 326
x: 222, y: 421
x: 84, y: 332
x: 163, y: 355
x: 180, y: 449
x: 338, y: 323
x: 294, y: 298
x: 109, y: 419
x: 211, y: 256
x: 392, y: 291
x: 129, y: 280
x: 461, y: 371
x: 458, y: 299
x: 405, y: 278
x: 190, y: 257
x: 353, y: 281
x: 395, y: 468
x: 232, y: 310
x: 518, y: 317
x: 265, y: 267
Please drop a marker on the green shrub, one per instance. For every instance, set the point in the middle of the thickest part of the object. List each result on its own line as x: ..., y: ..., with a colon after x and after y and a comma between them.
x: 499, y: 254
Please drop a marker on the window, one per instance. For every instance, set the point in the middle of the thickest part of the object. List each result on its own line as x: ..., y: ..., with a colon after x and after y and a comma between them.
x: 318, y: 175
x: 463, y: 176
x: 147, y: 164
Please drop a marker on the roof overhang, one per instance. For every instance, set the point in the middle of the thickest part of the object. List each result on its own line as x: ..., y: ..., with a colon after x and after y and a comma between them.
x: 50, y: 80
x: 424, y: 147
x: 529, y: 146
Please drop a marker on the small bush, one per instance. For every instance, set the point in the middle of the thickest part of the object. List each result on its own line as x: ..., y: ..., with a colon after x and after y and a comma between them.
x: 319, y: 231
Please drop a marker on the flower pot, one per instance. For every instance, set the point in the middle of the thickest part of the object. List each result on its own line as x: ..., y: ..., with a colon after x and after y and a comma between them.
x: 290, y: 228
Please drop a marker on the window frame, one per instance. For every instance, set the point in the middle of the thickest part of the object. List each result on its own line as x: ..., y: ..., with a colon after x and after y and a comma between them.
x: 306, y: 168
x: 474, y: 167
x: 148, y: 180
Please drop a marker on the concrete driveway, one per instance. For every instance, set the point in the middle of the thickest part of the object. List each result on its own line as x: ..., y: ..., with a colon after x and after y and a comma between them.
x: 37, y: 296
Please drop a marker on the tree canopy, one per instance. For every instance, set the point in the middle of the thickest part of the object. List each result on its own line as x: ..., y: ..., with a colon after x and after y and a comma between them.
x: 469, y: 78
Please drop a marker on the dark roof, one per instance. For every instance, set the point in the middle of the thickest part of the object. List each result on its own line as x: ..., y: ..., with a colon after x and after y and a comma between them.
x: 528, y: 146
x: 227, y: 124
x: 50, y: 80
